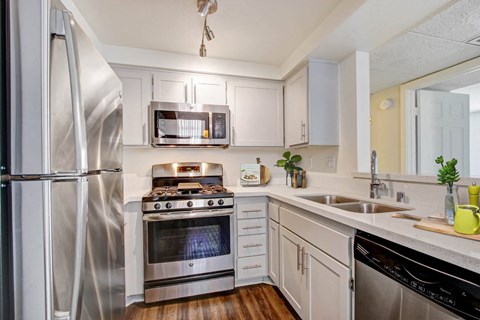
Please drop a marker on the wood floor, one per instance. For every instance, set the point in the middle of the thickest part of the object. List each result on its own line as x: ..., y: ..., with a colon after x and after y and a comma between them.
x: 256, y: 302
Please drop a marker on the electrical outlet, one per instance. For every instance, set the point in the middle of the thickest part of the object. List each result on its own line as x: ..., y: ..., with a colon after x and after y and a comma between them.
x: 310, y: 162
x: 331, y: 163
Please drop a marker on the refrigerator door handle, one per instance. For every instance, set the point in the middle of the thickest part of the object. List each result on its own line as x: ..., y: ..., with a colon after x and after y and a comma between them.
x: 80, y: 244
x: 62, y: 22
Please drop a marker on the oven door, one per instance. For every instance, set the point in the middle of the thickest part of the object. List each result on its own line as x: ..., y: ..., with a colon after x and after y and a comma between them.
x: 187, y: 243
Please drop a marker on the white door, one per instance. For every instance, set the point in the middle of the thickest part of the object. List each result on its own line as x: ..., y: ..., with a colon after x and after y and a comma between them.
x: 443, y: 129
x: 290, y: 269
x: 327, y: 292
x: 273, y: 252
x: 209, y: 90
x: 257, y: 113
x: 172, y: 87
x: 136, y: 98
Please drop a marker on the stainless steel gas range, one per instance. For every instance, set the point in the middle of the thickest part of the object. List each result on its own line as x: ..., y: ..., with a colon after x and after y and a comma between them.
x: 188, y: 232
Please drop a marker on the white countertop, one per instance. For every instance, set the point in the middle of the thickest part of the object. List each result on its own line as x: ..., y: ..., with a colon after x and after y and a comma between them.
x: 458, y: 251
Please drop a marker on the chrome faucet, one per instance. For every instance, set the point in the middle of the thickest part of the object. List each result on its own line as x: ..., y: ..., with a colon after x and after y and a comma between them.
x: 375, y: 183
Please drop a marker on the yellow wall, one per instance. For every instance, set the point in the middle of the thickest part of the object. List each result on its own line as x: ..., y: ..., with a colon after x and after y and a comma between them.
x: 385, y: 130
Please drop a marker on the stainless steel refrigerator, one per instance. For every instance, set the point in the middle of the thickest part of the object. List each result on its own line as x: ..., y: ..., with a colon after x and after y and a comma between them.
x: 65, y: 169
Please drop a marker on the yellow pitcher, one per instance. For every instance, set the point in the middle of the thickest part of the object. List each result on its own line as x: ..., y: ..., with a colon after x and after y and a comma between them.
x: 467, y: 219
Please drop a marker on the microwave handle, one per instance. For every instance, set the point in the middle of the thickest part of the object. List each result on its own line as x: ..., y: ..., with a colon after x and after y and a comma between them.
x: 210, y: 129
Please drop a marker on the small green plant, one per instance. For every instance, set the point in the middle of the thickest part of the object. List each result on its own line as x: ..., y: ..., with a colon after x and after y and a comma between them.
x: 288, y: 162
x: 447, y: 174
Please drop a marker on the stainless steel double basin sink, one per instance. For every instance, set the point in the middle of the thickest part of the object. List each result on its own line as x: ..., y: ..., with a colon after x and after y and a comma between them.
x: 351, y: 204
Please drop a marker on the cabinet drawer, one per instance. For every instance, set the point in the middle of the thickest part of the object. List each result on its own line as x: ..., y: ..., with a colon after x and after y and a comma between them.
x: 273, y: 212
x: 334, y: 243
x: 252, y: 245
x: 251, y: 267
x: 251, y: 226
x: 251, y: 210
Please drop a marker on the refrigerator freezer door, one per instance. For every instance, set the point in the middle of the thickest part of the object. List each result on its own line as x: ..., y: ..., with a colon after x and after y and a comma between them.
x: 42, y: 131
x: 44, y: 246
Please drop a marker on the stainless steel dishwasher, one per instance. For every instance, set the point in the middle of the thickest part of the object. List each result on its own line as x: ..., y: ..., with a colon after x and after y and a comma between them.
x: 395, y: 282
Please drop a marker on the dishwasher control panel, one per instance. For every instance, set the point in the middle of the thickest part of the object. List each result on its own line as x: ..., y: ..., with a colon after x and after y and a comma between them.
x: 452, y: 287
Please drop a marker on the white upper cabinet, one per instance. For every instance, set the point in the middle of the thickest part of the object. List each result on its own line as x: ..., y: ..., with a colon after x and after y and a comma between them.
x: 172, y: 87
x: 311, y: 105
x: 209, y: 90
x: 256, y: 112
x: 182, y: 87
x: 137, y: 90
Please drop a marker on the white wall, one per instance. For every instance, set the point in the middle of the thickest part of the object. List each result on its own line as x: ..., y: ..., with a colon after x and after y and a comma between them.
x: 139, y: 161
x: 385, y: 130
x: 354, y: 150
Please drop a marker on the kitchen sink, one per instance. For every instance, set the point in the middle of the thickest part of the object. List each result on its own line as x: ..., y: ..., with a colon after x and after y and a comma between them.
x: 329, y: 199
x: 367, y: 207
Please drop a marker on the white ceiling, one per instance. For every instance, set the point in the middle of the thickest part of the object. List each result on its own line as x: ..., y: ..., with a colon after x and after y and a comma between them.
x: 427, y: 35
x: 265, y: 31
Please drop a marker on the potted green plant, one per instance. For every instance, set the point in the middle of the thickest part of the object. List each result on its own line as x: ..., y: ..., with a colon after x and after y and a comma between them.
x: 448, y: 174
x: 288, y: 163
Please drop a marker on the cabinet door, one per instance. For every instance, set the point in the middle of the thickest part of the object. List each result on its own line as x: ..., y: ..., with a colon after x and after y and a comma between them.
x: 209, y: 90
x: 136, y: 98
x: 257, y: 112
x: 171, y: 87
x: 326, y: 293
x: 291, y: 280
x: 273, y: 251
x: 296, y: 109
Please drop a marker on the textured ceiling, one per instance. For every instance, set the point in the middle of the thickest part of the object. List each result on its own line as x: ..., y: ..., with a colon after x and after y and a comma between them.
x: 435, y: 44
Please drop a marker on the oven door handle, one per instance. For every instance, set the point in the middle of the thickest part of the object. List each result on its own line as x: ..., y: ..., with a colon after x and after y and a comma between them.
x: 152, y: 217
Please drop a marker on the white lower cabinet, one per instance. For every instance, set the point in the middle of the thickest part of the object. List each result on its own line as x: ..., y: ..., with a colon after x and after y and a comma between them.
x: 327, y: 285
x: 316, y: 284
x: 274, y: 242
x: 252, y: 267
x: 273, y: 251
x: 292, y: 283
x: 251, y: 240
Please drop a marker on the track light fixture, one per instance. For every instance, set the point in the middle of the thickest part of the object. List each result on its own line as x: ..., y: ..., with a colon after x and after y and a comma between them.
x: 206, y: 7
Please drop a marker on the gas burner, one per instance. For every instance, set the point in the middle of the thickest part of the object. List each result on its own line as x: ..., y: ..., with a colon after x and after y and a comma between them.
x: 163, y: 191
x: 211, y: 189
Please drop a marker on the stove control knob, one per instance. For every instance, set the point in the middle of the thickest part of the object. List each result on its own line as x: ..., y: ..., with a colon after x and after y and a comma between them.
x: 169, y: 205
x: 221, y: 202
x: 210, y: 203
x: 189, y: 204
x: 157, y: 206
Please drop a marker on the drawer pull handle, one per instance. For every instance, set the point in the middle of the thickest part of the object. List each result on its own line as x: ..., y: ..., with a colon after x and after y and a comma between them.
x: 298, y: 257
x: 303, y: 261
x: 253, y: 227
x: 253, y: 245
x: 252, y: 267
x: 251, y: 211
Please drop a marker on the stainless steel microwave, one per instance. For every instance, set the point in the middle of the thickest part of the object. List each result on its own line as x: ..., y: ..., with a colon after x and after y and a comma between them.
x: 189, y: 125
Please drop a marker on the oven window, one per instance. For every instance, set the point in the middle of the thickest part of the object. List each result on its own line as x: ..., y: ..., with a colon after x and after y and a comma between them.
x: 189, y: 239
x: 182, y: 125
